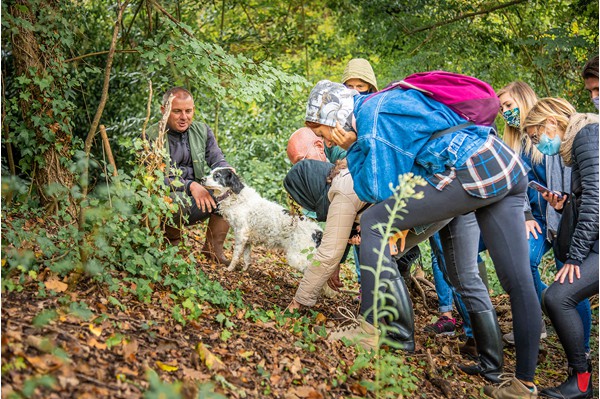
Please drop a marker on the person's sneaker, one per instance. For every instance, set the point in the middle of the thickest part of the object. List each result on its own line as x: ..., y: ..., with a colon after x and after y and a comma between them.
x: 358, y: 332
x: 510, y: 388
x: 443, y: 326
x: 509, y: 338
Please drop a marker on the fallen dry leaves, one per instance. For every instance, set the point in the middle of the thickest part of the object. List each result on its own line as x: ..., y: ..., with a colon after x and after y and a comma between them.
x: 108, y: 356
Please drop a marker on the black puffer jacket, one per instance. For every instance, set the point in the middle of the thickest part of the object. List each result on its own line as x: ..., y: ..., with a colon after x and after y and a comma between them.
x: 584, y: 183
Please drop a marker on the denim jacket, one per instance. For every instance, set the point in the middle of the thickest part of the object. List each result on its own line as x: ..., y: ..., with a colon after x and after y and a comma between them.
x: 393, y: 129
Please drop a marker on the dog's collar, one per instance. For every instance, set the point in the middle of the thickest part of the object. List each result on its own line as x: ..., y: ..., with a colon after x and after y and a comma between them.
x: 223, y: 197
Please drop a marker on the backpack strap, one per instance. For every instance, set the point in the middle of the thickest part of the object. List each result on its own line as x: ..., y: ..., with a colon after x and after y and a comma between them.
x: 452, y: 129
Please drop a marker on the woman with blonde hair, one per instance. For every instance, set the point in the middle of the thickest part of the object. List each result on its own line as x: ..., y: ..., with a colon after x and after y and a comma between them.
x: 554, y: 127
x: 516, y: 99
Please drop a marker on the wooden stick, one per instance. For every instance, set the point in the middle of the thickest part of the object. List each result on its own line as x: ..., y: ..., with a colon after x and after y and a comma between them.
x: 109, y: 154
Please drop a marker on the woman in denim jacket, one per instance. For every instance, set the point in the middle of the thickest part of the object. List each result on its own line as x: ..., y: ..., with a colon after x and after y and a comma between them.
x: 516, y: 99
x: 467, y: 170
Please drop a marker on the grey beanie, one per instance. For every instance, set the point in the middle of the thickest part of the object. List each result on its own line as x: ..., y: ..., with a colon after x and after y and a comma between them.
x: 359, y: 68
x: 329, y: 103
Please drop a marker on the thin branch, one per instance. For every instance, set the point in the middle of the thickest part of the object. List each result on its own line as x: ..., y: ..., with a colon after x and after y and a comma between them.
x: 148, y: 110
x: 111, y: 54
x: 126, y: 35
x: 109, y: 153
x: 80, y: 57
x: 465, y: 16
x: 172, y: 18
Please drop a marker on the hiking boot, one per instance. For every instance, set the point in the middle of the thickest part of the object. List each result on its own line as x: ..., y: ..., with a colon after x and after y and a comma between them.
x: 443, y: 326
x: 359, y: 332
x: 577, y: 386
x: 510, y: 388
x: 509, y: 338
x: 469, y: 349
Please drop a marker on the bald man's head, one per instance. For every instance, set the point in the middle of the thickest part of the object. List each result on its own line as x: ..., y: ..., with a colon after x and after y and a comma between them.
x: 304, y: 144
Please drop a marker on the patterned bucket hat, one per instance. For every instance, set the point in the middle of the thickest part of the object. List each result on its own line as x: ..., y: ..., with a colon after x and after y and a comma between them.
x: 331, y: 102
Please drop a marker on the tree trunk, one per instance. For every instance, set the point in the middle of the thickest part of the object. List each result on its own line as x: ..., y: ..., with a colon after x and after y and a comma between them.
x: 31, y: 61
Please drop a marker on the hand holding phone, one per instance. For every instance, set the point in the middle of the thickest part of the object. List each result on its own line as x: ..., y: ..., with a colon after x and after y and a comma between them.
x: 543, y: 189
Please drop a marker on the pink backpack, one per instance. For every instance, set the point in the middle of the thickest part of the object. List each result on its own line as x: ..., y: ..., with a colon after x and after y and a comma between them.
x: 471, y: 98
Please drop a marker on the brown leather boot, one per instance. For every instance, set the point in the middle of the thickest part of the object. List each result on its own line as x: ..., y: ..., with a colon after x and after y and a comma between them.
x: 216, y: 231
x: 173, y: 235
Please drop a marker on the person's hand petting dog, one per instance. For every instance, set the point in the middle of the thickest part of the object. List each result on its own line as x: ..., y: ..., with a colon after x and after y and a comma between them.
x: 204, y: 201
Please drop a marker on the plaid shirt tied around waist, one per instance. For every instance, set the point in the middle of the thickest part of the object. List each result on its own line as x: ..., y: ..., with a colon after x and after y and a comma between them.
x: 491, y: 171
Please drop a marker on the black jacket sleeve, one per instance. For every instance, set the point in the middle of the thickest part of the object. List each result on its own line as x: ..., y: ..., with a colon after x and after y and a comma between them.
x: 585, y: 157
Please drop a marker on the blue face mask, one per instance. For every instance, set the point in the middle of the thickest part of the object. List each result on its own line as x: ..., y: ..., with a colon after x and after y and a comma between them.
x: 512, y: 117
x: 548, y: 146
x: 595, y: 100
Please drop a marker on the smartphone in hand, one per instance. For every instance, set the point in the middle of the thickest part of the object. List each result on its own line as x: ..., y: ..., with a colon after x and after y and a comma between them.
x: 543, y: 189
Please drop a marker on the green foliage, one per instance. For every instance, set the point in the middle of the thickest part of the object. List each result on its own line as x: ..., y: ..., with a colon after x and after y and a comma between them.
x: 40, y: 99
x: 44, y: 317
x: 32, y: 384
x: 159, y: 389
x: 395, y: 377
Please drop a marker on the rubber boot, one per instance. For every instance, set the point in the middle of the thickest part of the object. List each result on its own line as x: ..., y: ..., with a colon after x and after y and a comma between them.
x: 488, y: 339
x: 402, y: 323
x: 483, y: 274
x: 577, y: 386
x: 216, y: 232
x: 172, y: 234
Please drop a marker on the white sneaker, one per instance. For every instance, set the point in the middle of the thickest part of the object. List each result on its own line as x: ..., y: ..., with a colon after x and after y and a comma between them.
x: 359, y: 331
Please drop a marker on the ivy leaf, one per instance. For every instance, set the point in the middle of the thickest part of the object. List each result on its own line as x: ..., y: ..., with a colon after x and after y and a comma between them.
x: 114, y: 340
x: 44, y: 317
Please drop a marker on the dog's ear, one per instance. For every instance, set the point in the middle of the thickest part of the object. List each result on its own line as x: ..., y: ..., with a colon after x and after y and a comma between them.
x: 317, y: 236
x: 232, y: 180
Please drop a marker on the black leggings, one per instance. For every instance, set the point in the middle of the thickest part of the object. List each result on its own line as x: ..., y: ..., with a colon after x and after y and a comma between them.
x: 560, y: 301
x: 502, y: 223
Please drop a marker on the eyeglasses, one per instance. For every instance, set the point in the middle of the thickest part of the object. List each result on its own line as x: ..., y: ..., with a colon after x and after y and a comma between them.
x: 535, y: 137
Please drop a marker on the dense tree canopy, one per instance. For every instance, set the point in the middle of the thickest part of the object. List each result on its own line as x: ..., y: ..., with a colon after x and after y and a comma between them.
x: 245, y: 60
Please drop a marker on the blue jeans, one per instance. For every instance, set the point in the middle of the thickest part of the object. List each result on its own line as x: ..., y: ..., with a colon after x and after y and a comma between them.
x: 444, y: 290
x: 537, y: 249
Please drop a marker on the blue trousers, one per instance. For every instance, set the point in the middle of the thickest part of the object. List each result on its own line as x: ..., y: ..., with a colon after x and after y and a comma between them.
x: 445, y: 292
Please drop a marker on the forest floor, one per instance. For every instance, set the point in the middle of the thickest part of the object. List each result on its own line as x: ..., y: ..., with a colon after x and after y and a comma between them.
x: 109, y: 357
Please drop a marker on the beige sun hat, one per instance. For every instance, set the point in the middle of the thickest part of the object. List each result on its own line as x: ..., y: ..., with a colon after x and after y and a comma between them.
x: 359, y: 68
